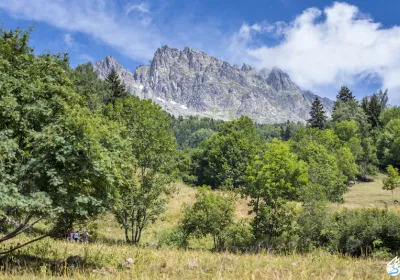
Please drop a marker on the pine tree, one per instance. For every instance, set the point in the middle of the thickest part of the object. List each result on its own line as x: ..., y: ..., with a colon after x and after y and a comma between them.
x: 374, y: 106
x: 117, y: 88
x: 345, y: 94
x: 374, y: 111
x: 317, y: 113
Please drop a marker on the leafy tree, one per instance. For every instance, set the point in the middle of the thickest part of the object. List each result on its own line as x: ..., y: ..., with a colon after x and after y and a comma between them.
x: 87, y: 83
x: 393, y: 180
x: 324, y: 169
x: 225, y: 155
x: 331, y: 161
x: 191, y: 131
x: 58, y: 160
x: 313, y: 219
x: 389, y: 114
x: 367, y: 159
x: 116, y: 86
x: 273, y: 177
x: 317, y: 113
x: 152, y: 145
x: 212, y: 213
x: 389, y: 144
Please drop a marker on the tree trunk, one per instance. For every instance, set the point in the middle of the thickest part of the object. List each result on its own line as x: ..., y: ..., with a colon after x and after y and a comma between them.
x: 126, y: 226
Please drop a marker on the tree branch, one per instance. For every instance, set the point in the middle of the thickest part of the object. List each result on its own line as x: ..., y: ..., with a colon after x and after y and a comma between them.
x: 17, y: 230
x: 23, y: 245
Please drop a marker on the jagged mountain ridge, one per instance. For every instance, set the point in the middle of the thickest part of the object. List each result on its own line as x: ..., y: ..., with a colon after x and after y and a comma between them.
x: 190, y: 82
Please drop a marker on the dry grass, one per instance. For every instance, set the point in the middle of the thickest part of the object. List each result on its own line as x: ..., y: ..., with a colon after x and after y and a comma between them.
x: 167, y: 263
x: 103, y: 261
x: 366, y: 195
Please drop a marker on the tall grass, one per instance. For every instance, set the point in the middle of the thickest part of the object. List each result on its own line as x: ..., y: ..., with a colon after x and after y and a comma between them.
x: 106, y: 259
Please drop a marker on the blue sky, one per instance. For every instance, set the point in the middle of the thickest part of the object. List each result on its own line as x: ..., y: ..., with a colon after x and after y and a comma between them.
x: 321, y: 44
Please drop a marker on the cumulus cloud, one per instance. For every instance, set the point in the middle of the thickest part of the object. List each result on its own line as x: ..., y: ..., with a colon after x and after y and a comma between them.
x: 134, y: 37
x: 320, y: 49
x: 339, y: 45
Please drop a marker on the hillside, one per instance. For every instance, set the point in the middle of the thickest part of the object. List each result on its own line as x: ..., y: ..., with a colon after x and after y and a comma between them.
x: 105, y: 259
x: 190, y: 82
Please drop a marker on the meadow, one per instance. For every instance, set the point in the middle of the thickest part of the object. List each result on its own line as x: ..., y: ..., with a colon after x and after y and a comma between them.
x: 107, y: 257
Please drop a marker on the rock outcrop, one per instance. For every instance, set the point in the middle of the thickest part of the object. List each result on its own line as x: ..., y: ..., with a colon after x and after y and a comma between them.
x: 190, y: 82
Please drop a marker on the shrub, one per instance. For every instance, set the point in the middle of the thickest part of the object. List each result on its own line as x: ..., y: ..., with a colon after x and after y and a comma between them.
x: 363, y: 231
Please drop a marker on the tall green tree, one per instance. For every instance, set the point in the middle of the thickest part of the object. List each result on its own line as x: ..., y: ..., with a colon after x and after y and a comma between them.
x: 96, y: 92
x: 211, y: 214
x: 225, y: 155
x: 116, y: 86
x: 345, y: 94
x: 374, y: 106
x: 318, y: 115
x: 393, y: 180
x: 152, y: 143
x: 58, y: 159
x: 274, y: 177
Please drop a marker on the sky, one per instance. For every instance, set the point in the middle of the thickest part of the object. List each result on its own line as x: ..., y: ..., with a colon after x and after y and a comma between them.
x: 321, y: 44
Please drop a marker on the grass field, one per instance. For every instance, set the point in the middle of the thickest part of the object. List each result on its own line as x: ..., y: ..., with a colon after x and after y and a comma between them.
x: 107, y: 259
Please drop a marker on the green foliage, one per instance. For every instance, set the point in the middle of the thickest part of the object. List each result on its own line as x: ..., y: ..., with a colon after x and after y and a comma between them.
x: 363, y: 144
x: 87, y: 84
x: 116, y: 86
x: 374, y: 106
x: 359, y: 232
x: 238, y: 235
x: 317, y: 113
x: 389, y: 114
x: 59, y: 160
x: 274, y: 176
x: 331, y: 162
x: 225, y: 155
x: 389, y: 144
x: 393, y: 179
x: 191, y: 131
x: 211, y: 214
x: 275, y: 173
x: 345, y: 95
x: 145, y: 194
x: 346, y: 130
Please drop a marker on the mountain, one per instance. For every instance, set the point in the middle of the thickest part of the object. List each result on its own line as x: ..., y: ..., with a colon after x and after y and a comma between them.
x: 190, y: 82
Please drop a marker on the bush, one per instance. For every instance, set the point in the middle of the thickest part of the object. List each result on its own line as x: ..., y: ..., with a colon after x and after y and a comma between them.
x: 365, y: 231
x: 174, y: 238
x: 239, y: 235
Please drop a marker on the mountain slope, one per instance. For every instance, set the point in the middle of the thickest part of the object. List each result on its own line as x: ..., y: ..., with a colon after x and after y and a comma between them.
x: 190, y: 82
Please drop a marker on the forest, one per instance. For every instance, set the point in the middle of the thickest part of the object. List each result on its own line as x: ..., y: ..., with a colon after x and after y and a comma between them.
x: 74, y: 147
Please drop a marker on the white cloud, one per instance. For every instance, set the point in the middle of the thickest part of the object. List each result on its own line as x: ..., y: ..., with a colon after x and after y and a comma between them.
x: 328, y: 48
x: 134, y: 37
x: 141, y: 7
x: 68, y: 40
x: 320, y: 49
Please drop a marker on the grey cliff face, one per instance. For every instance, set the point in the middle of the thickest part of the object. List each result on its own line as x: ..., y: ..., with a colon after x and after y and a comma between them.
x: 190, y: 82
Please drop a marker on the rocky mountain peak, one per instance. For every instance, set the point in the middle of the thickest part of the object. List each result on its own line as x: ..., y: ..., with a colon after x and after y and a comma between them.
x: 280, y: 81
x: 246, y: 68
x: 190, y: 82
